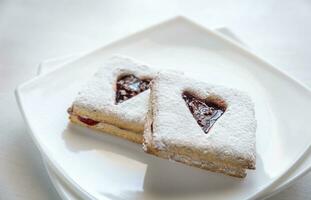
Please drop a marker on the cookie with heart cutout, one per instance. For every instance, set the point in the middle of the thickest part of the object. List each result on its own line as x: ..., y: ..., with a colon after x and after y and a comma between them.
x: 200, y: 124
x: 115, y: 100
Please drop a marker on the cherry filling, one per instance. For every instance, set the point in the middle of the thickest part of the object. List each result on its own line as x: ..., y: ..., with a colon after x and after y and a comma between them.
x: 88, y: 121
x: 129, y: 86
x: 205, y: 112
x: 85, y: 120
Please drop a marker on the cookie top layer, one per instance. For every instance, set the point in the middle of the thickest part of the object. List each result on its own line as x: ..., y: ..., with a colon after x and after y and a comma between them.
x: 231, y: 137
x: 98, y: 96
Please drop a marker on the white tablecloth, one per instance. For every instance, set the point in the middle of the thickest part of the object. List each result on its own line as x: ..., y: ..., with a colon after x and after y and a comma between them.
x: 31, y: 31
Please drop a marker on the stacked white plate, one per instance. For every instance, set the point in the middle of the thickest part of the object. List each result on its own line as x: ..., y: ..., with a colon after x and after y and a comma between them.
x: 86, y: 165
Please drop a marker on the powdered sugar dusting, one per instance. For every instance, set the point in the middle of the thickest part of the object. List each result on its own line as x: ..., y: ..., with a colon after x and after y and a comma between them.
x: 99, y: 93
x: 233, y: 134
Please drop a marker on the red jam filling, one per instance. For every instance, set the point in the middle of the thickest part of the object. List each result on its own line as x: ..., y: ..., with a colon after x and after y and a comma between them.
x: 205, y: 112
x: 129, y: 86
x: 88, y: 121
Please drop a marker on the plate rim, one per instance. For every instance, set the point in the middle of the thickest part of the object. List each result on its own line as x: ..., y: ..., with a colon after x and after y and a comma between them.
x: 234, y: 44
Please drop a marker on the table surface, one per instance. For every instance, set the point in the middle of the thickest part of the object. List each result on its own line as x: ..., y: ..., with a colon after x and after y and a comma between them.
x: 31, y: 31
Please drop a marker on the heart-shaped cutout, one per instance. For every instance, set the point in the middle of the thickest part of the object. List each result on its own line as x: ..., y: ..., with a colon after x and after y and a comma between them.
x: 129, y: 86
x: 205, y: 112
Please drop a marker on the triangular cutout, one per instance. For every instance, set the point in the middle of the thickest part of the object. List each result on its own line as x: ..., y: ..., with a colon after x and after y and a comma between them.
x: 128, y: 86
x: 205, y: 112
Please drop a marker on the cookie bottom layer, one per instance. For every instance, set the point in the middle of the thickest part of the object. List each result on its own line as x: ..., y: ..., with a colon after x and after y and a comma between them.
x: 203, y: 164
x: 111, y: 129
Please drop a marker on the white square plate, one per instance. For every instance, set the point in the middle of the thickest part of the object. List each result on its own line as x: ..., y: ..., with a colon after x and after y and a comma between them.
x: 105, y: 167
x: 68, y: 192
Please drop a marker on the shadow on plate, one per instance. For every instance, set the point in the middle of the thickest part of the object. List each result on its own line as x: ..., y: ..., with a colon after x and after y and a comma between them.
x: 161, y: 176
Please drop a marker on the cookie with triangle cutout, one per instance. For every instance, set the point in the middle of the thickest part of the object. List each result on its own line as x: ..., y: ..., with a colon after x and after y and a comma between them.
x: 115, y: 99
x: 204, y: 125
